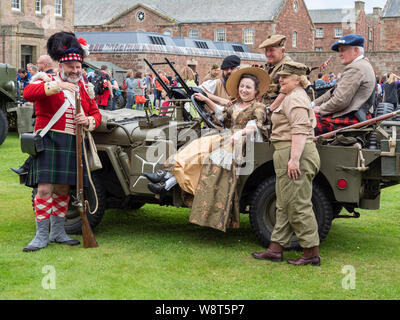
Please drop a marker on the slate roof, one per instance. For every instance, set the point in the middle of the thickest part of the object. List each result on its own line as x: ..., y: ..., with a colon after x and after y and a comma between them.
x: 392, y: 9
x: 333, y: 15
x: 100, y: 12
x: 140, y: 42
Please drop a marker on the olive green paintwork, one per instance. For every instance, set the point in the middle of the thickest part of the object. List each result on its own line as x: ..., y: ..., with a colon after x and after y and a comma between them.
x: 144, y: 145
x: 8, y: 89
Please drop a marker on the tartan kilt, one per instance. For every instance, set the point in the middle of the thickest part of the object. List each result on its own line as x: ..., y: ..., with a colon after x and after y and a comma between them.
x: 57, y: 163
x: 327, y: 124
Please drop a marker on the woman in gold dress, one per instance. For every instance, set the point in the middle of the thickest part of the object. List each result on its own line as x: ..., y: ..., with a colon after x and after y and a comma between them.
x: 207, y: 167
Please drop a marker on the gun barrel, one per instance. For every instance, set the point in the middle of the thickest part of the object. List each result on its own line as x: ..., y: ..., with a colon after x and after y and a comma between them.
x: 89, y: 240
x: 332, y: 134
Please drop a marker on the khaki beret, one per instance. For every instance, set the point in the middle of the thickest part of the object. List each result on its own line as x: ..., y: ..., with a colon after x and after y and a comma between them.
x: 276, y: 40
x: 292, y: 67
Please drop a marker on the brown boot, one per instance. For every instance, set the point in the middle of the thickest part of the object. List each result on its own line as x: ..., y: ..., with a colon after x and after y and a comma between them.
x: 274, y: 253
x: 310, y: 256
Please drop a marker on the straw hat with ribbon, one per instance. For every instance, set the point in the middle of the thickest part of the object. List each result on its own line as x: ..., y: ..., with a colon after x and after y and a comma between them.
x: 232, y: 85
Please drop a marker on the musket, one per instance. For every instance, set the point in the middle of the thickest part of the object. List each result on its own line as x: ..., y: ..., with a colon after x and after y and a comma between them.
x: 332, y: 134
x: 89, y: 241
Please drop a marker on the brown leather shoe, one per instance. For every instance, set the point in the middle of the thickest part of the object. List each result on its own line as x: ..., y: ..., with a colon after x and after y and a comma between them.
x: 274, y: 253
x: 310, y: 256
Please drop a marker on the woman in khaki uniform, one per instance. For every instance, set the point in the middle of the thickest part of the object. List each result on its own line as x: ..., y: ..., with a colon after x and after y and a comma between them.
x: 296, y: 162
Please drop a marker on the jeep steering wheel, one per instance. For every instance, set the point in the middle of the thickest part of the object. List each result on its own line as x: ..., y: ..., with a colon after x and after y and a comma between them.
x: 206, y: 116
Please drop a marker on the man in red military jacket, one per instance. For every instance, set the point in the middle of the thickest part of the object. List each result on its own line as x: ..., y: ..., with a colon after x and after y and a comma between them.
x: 53, y: 170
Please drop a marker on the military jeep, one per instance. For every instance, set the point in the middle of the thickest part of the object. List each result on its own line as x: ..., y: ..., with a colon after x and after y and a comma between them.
x: 355, y: 166
x: 8, y: 99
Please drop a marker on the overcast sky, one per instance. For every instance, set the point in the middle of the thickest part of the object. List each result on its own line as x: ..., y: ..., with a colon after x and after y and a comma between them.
x: 323, y: 4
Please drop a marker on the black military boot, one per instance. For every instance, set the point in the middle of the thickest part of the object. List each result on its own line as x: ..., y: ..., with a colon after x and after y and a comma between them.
x: 158, y: 176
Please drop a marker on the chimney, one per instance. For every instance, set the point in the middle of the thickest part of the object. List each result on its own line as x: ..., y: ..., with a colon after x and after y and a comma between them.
x: 377, y: 12
x: 359, y: 7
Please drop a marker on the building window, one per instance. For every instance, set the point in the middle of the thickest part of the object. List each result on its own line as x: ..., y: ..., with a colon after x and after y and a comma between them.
x: 168, y: 33
x: 295, y: 6
x: 16, y: 5
x: 248, y: 36
x: 338, y: 32
x: 294, y: 40
x: 370, y: 34
x: 58, y: 7
x: 220, y: 35
x: 237, y: 48
x: 319, y: 33
x: 157, y: 40
x: 201, y: 44
x: 319, y: 49
x: 193, y: 33
x: 38, y: 6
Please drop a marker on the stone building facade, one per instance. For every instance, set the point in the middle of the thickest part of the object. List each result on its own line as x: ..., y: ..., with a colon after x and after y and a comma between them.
x: 390, y: 26
x: 382, y: 61
x: 214, y: 20
x: 331, y: 24
x: 25, y: 26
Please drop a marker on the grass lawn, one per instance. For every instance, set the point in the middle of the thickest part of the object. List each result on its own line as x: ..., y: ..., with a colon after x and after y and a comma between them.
x: 155, y: 253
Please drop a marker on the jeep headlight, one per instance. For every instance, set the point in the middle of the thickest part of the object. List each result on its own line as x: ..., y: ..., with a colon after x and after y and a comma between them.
x: 9, y: 86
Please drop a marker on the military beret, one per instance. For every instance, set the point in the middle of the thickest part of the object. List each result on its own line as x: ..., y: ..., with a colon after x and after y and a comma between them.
x: 276, y: 40
x: 354, y: 40
x: 291, y: 67
x: 230, y: 62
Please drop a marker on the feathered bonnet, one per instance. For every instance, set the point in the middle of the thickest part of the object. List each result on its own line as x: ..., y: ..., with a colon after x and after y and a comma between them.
x: 64, y: 47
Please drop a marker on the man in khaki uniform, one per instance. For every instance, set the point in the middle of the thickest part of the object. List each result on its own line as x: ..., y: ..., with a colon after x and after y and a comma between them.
x: 275, y: 53
x: 216, y: 89
x: 214, y: 73
x: 339, y: 107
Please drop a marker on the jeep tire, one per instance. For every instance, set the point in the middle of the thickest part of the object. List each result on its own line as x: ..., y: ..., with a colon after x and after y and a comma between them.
x: 263, y: 210
x: 3, y: 127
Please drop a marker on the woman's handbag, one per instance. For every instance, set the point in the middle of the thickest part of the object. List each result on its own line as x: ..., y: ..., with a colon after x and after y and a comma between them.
x: 139, y: 98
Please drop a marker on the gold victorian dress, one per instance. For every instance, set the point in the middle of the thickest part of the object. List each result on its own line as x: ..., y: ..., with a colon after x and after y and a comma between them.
x: 206, y: 168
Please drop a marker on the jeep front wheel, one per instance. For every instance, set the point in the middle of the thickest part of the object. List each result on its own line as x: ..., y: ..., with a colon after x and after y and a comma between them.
x: 263, y: 212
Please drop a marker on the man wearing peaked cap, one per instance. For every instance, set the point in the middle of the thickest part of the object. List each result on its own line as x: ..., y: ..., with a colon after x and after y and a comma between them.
x: 354, y: 40
x: 275, y: 53
x: 216, y: 89
x: 348, y: 103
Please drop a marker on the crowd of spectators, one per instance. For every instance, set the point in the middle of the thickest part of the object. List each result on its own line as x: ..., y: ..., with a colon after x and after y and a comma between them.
x: 147, y: 85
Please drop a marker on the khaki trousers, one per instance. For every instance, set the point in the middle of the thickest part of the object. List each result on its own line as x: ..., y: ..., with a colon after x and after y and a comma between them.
x: 294, y: 212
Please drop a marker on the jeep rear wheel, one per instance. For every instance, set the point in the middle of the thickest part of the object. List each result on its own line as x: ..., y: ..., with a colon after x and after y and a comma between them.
x: 73, y: 220
x: 263, y: 212
x: 3, y: 127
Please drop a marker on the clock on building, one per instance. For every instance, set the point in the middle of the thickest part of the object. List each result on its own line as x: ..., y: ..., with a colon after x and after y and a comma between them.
x: 140, y: 16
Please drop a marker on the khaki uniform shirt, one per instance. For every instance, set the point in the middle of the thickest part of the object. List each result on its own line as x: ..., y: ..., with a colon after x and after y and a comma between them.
x: 210, y: 77
x: 274, y: 78
x: 294, y: 116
